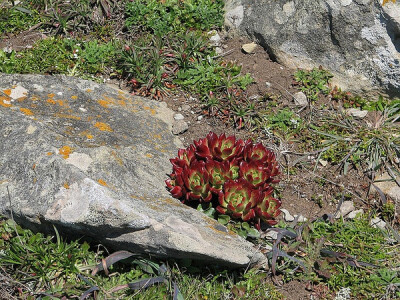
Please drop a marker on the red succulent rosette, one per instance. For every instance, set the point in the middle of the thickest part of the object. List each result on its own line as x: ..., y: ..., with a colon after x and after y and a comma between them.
x: 268, y: 208
x: 254, y: 172
x: 185, y: 157
x: 196, y: 181
x: 238, y: 199
x: 219, y: 173
x: 224, y: 148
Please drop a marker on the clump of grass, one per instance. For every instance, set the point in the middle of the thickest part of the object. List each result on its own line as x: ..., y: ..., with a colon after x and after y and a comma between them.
x: 18, y: 18
x: 72, y: 57
x: 48, y: 266
x: 313, y: 82
x: 163, y: 17
x: 338, y: 255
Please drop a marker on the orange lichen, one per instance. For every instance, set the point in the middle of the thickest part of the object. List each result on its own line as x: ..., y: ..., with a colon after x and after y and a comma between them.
x: 122, y: 102
x: 102, y: 182
x: 89, y: 136
x: 34, y: 98
x: 104, y: 103
x: 66, y: 185
x: 51, y: 101
x: 74, y: 97
x: 89, y: 90
x: 7, y: 92
x: 26, y: 111
x: 60, y: 102
x: 103, y: 126
x: 49, y: 153
x: 51, y: 95
x: 21, y: 99
x: 149, y: 155
x: 4, y: 101
x: 65, y: 116
x: 65, y: 151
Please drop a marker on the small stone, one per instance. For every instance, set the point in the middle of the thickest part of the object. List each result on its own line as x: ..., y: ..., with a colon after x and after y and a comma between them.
x: 179, y: 127
x: 387, y: 185
x: 178, y: 117
x: 199, y: 118
x: 300, y: 99
x: 192, y: 98
x: 249, y: 48
x: 271, y: 235
x: 354, y: 213
x: 356, y: 112
x: 378, y: 223
x: 300, y: 218
x: 346, y: 208
x: 218, y: 50
x: 323, y: 163
x: 185, y: 107
x: 179, y: 108
x: 215, y: 39
x: 287, y: 216
x: 268, y: 84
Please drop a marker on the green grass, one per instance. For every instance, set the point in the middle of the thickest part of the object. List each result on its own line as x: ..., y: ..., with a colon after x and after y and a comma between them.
x: 48, y: 265
x: 349, y: 254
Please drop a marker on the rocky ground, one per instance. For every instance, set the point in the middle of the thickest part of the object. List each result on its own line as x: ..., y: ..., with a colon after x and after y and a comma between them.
x: 307, y: 188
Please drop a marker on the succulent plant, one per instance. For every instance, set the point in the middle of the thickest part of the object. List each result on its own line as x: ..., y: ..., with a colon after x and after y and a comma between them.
x: 237, y: 177
x: 238, y: 199
x: 267, y: 208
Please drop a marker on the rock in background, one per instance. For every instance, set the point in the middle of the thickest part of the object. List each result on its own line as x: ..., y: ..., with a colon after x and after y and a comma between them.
x: 357, y: 40
x: 92, y: 160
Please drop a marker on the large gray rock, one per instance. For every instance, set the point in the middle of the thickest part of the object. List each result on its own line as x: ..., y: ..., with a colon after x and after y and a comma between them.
x: 92, y: 160
x: 357, y: 40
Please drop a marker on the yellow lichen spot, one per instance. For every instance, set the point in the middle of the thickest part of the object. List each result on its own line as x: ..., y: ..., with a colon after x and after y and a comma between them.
x: 49, y: 153
x: 34, y: 98
x: 103, y: 126
x: 89, y: 90
x: 66, y: 185
x: 51, y: 101
x: 65, y: 116
x: 104, y: 103
x: 149, y: 155
x: 20, y: 99
x: 51, y: 95
x: 65, y: 151
x: 74, y: 97
x: 122, y: 102
x: 153, y: 111
x: 26, y: 111
x: 7, y: 92
x: 89, y: 136
x: 4, y: 101
x: 102, y: 182
x: 60, y: 102
x: 157, y: 136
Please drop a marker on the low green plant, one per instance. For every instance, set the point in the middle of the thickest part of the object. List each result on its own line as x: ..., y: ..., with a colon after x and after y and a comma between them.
x: 313, y: 82
x: 348, y: 254
x: 35, y: 265
x: 18, y: 18
x: 164, y: 17
x: 61, y: 56
x: 369, y: 146
x: 234, y: 175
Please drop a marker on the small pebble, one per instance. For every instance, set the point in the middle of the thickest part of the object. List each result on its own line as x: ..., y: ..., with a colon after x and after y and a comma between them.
x: 185, y: 107
x: 346, y: 208
x: 378, y: 223
x: 287, y: 216
x: 179, y: 127
x: 271, y: 235
x: 300, y: 218
x: 199, y: 118
x: 178, y: 117
x: 354, y: 213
